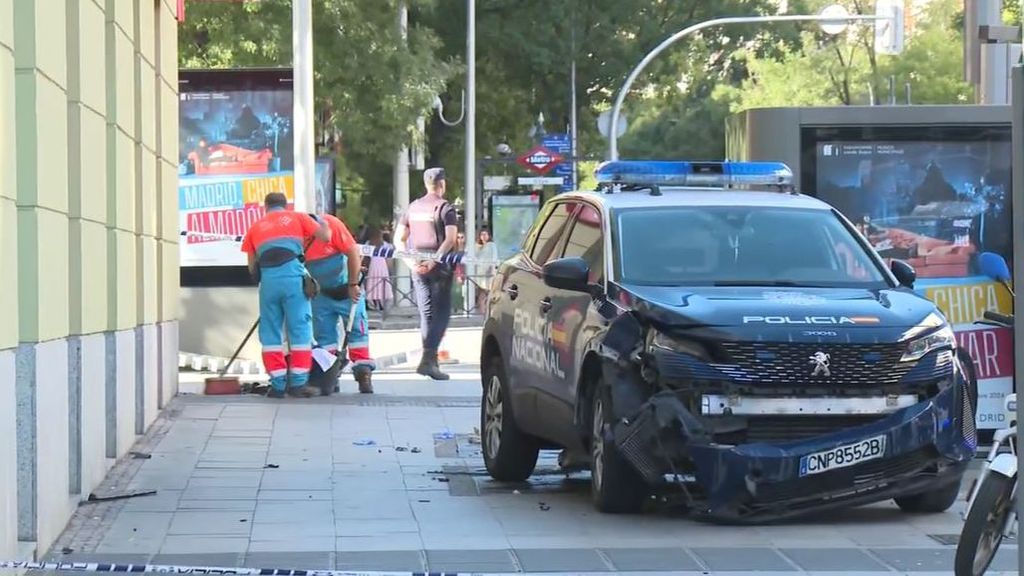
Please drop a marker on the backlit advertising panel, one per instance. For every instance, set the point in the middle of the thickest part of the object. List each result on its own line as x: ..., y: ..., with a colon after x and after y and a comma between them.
x: 936, y: 199
x: 235, y: 147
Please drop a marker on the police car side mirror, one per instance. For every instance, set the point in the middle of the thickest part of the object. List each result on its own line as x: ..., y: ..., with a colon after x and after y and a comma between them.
x: 568, y: 274
x: 904, y: 273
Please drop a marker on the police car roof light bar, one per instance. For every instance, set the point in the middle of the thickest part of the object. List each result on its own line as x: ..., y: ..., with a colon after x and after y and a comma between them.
x: 695, y: 174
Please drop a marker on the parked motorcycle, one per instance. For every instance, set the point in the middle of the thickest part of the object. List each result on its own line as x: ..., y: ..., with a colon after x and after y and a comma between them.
x: 991, y: 512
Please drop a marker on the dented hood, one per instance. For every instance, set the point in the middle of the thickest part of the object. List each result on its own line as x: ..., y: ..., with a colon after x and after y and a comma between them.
x: 760, y: 308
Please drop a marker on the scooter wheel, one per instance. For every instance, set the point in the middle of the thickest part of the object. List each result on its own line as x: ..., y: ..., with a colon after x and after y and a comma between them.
x: 983, y: 530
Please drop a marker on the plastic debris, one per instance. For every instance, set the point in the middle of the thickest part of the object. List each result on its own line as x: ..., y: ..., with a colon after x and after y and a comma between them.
x: 543, y: 506
x: 272, y: 466
x: 416, y: 450
x: 401, y: 449
x: 365, y: 442
x: 516, y: 492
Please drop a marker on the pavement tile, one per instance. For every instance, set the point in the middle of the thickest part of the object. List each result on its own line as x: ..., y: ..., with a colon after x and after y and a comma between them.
x: 139, y: 525
x: 236, y: 493
x: 108, y: 558
x: 225, y: 479
x: 284, y: 512
x: 216, y: 560
x: 470, y: 561
x: 561, y: 560
x: 384, y: 560
x: 668, y: 559
x: 733, y: 559
x: 295, y: 495
x: 368, y: 510
x: 204, y: 544
x: 917, y: 559
x: 320, y: 544
x: 279, y: 480
x: 201, y: 412
x: 375, y: 527
x: 294, y: 531
x: 211, y: 522
x: 377, y: 543
x: 833, y: 559
x: 233, y: 505
x: 290, y: 560
x: 131, y: 544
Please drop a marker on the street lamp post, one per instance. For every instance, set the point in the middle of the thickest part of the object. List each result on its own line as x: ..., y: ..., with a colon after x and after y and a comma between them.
x: 827, y: 15
x: 470, y: 110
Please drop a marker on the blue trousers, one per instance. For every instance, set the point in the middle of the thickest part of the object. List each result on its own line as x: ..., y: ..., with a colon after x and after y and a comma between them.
x: 327, y: 313
x: 283, y: 303
x: 434, y: 300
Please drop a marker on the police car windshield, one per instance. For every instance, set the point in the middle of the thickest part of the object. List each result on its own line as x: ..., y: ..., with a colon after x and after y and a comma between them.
x: 740, y: 246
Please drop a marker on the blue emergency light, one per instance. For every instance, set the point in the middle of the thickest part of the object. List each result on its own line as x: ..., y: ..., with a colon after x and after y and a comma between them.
x: 697, y: 174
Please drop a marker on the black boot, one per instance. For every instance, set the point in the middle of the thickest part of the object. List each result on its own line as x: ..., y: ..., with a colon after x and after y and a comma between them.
x: 428, y: 365
x: 303, y: 391
x: 362, y: 376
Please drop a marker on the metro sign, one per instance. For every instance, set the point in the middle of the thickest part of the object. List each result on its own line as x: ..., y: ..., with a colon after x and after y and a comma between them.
x: 539, y: 160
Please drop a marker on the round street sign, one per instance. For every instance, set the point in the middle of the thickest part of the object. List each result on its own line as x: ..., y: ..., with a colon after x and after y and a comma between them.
x: 833, y: 27
x: 604, y: 124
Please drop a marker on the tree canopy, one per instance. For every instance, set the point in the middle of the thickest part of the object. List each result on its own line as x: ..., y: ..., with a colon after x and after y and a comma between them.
x: 376, y: 85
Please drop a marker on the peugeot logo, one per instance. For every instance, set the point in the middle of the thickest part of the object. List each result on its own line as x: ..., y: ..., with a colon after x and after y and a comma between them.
x: 820, y: 362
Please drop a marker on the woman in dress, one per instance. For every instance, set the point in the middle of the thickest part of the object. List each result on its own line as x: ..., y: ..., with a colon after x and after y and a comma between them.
x: 379, y: 290
x: 484, y: 273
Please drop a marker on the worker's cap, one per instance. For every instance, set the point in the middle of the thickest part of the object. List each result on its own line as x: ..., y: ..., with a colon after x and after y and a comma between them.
x: 433, y: 176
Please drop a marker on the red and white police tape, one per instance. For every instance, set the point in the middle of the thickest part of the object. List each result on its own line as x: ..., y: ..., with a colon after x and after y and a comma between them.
x: 375, y: 251
x: 210, y: 570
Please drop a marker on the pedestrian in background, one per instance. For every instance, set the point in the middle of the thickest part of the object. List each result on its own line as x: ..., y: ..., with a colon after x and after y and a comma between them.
x: 482, y: 274
x: 429, y: 224
x: 275, y: 245
x: 459, y: 286
x: 379, y: 291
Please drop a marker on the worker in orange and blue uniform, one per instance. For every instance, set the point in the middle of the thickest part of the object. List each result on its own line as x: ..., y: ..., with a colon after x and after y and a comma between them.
x: 336, y: 265
x: 275, y: 245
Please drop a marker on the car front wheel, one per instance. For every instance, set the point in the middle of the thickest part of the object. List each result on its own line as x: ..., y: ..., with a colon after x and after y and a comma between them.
x: 616, y: 487
x: 510, y: 455
x: 937, y: 500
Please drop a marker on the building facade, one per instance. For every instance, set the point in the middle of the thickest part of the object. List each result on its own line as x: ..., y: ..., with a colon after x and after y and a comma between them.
x: 88, y: 248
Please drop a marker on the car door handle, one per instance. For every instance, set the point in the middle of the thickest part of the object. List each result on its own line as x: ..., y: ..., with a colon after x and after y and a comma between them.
x: 512, y: 291
x: 545, y: 305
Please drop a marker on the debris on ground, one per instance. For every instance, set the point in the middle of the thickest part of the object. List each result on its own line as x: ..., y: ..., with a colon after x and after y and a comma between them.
x: 516, y: 492
x: 401, y: 449
x: 416, y: 450
x: 67, y: 550
x: 365, y: 442
x: 272, y: 466
x: 446, y: 435
x: 94, y: 498
x: 140, y: 455
x: 543, y: 506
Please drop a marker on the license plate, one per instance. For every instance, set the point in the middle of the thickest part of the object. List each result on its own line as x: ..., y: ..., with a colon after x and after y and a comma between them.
x: 842, y: 456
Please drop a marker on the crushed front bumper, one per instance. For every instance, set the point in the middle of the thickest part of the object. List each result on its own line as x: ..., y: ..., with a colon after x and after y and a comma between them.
x: 925, y: 449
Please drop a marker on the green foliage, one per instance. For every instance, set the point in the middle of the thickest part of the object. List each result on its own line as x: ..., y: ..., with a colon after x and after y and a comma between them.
x: 846, y: 69
x: 376, y: 86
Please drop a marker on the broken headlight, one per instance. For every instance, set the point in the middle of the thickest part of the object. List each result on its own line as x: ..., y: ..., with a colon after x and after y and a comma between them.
x: 663, y: 342
x: 938, y: 335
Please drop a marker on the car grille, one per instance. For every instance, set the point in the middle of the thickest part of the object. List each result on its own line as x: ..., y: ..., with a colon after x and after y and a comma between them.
x: 791, y: 364
x: 775, y: 429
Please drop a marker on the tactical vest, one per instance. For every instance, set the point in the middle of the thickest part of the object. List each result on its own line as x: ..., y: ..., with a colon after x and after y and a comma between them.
x: 426, y: 228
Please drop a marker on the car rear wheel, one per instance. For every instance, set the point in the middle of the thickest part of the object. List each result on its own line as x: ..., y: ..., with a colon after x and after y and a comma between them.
x: 510, y: 455
x: 937, y: 500
x: 616, y: 487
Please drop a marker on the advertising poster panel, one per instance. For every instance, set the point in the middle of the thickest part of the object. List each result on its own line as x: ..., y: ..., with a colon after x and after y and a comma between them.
x: 511, y: 219
x: 937, y: 203
x: 235, y: 147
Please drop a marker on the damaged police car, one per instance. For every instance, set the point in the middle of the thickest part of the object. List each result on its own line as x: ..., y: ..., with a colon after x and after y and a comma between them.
x: 702, y: 327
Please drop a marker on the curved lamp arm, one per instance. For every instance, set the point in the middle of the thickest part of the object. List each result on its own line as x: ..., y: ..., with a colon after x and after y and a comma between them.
x: 613, y: 149
x: 440, y: 111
